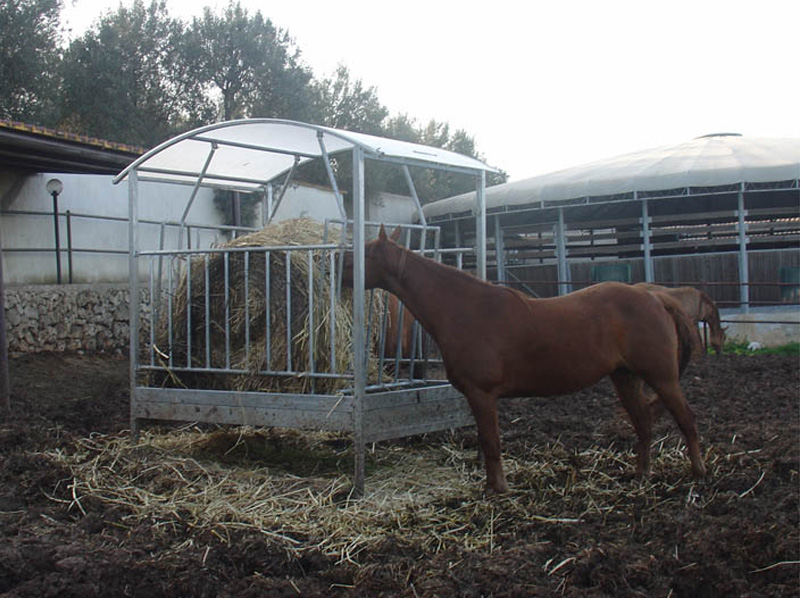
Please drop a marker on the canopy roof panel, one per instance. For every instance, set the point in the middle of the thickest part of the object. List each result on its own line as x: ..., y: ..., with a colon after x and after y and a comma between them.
x: 247, y: 154
x: 709, y: 161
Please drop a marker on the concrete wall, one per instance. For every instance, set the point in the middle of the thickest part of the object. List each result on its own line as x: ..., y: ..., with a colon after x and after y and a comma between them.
x: 92, y: 195
x: 767, y: 327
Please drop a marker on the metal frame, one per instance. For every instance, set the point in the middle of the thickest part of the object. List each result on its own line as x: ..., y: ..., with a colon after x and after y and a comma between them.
x: 557, y: 215
x: 369, y: 413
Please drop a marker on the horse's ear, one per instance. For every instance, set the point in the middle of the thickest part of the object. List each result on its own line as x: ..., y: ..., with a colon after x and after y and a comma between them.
x: 395, y: 236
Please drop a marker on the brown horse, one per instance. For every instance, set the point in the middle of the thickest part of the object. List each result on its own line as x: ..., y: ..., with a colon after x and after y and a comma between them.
x: 496, y: 342
x: 698, y: 306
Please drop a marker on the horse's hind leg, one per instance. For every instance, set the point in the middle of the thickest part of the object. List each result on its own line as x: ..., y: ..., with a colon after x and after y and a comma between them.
x: 673, y: 399
x: 630, y: 392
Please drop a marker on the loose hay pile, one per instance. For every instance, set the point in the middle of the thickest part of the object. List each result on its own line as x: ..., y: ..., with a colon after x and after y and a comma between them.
x: 238, y: 337
x: 234, y: 480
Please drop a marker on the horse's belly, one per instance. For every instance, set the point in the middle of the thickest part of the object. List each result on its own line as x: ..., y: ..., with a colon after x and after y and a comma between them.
x: 555, y: 377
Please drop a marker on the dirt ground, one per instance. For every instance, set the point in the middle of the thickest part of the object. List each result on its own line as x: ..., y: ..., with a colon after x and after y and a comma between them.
x: 734, y: 534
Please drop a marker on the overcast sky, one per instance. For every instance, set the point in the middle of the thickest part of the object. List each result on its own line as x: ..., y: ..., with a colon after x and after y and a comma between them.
x: 545, y: 85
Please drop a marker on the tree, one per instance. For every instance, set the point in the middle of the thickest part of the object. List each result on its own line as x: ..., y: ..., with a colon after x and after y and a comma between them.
x: 343, y: 103
x: 125, y: 79
x: 29, y: 59
x: 249, y: 62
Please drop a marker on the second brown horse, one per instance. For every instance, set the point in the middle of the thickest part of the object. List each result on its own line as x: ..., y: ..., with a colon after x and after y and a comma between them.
x: 496, y: 342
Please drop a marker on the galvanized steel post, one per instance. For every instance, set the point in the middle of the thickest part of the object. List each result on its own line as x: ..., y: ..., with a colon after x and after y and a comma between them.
x: 744, y: 272
x: 499, y: 250
x: 480, y: 224
x: 133, y: 287
x: 561, y: 251
x: 648, y: 258
x: 359, y: 321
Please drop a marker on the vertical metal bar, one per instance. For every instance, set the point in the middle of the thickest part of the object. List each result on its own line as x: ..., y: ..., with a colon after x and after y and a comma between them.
x: 227, y: 273
x: 288, y: 311
x: 480, y: 224
x: 207, y: 296
x: 152, y: 350
x: 359, y: 387
x: 57, y: 241
x: 170, y: 331
x: 247, y: 307
x: 564, y: 285
x: 133, y: 288
x: 188, y: 311
x: 332, y: 307
x: 69, y: 246
x: 156, y: 307
x: 268, y: 313
x: 499, y: 250
x: 648, y: 257
x: 398, y: 348
x: 744, y: 270
x: 370, y: 311
x: 413, y: 353
x: 382, y: 339
x: 311, y: 339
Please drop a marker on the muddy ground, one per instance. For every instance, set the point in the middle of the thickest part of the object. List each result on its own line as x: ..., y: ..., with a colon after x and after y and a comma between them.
x: 734, y: 534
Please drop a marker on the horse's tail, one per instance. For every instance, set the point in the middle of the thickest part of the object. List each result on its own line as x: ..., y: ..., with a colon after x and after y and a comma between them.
x: 689, y: 339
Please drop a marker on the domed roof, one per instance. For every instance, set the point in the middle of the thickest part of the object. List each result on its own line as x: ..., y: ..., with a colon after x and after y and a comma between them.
x: 708, y: 161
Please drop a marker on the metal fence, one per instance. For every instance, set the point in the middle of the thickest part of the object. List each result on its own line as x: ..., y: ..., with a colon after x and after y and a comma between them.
x: 67, y: 247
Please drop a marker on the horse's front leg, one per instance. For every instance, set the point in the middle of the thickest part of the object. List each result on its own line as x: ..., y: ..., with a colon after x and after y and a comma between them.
x: 484, y: 409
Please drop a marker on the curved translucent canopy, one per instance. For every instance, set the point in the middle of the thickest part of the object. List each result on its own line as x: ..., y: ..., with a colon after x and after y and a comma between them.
x: 248, y: 154
x: 709, y: 161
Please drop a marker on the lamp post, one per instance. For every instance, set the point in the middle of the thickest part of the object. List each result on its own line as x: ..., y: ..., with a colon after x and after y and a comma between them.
x: 54, y: 188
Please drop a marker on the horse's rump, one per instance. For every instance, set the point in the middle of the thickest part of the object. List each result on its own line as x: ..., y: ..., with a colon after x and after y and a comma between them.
x: 689, y: 339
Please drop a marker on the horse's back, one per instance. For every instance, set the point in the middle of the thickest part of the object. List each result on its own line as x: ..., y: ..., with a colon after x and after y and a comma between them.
x: 573, y: 341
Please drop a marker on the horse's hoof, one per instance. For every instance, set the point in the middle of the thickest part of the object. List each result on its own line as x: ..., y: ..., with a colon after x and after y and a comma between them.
x: 494, y: 490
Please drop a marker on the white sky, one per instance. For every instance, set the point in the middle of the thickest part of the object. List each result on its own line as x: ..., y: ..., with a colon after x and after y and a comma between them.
x: 549, y: 84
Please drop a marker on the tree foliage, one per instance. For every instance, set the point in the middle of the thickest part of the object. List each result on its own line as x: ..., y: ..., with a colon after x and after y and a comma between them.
x: 29, y: 57
x: 139, y: 76
x: 250, y: 63
x: 344, y: 103
x: 121, y: 80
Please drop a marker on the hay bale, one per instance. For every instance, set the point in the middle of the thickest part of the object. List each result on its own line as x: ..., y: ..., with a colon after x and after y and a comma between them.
x: 246, y: 304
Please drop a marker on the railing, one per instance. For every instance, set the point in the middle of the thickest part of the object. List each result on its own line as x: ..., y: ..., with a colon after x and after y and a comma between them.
x: 121, y: 250
x: 248, y: 317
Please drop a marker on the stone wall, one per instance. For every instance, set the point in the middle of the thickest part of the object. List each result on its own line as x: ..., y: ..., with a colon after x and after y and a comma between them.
x: 67, y: 318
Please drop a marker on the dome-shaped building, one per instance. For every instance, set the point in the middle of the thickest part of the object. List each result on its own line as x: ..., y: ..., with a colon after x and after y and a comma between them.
x: 721, y: 212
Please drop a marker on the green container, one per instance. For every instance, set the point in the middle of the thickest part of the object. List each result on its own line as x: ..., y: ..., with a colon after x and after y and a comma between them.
x: 611, y: 273
x: 790, y: 284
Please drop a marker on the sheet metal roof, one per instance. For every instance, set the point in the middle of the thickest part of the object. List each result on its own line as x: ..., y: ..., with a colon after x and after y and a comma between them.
x: 32, y: 148
x: 250, y: 153
x: 709, y: 161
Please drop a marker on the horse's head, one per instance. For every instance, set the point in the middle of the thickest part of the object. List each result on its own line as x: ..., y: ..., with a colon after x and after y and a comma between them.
x: 377, y: 254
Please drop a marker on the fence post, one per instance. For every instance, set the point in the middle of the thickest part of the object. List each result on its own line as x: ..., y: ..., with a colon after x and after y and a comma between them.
x: 744, y: 272
x: 69, y: 246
